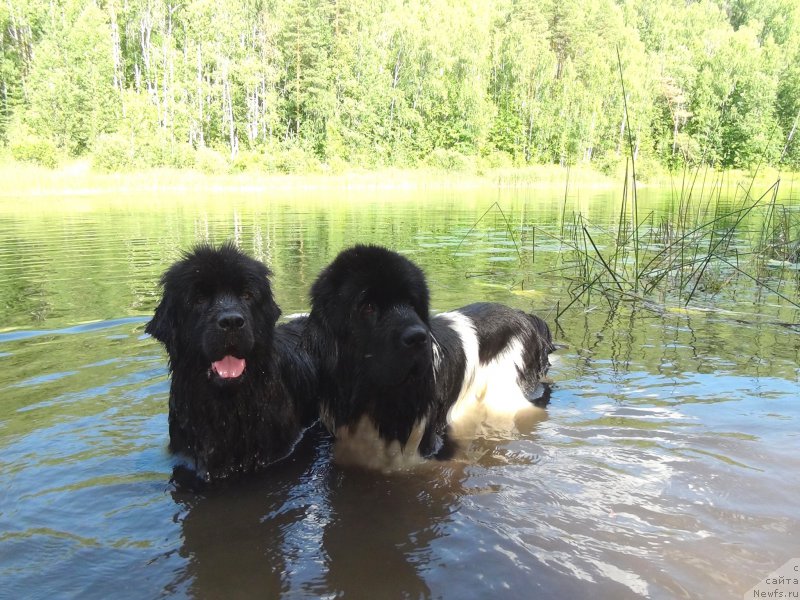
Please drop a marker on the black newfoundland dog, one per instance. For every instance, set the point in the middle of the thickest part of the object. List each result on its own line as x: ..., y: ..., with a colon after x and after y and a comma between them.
x: 394, y: 380
x: 242, y: 391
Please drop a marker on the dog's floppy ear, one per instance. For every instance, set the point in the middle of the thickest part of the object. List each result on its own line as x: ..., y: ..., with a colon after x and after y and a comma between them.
x: 261, y: 278
x: 271, y: 308
x: 328, y: 309
x: 163, y: 326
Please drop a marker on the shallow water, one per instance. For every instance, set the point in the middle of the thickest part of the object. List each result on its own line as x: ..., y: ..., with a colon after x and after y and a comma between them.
x: 666, y: 465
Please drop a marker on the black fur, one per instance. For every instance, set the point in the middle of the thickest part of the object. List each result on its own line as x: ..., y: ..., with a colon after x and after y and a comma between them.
x: 366, y: 305
x: 362, y: 305
x: 216, y: 303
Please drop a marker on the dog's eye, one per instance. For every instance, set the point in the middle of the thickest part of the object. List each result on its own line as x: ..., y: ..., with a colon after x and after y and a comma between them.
x: 247, y: 296
x: 198, y: 300
x: 367, y: 309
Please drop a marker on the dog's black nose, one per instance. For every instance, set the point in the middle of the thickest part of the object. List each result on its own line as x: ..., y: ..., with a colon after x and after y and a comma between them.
x: 231, y: 320
x: 414, y: 336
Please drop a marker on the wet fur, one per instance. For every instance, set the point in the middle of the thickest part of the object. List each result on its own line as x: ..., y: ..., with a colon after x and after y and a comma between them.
x: 388, y: 405
x: 231, y: 427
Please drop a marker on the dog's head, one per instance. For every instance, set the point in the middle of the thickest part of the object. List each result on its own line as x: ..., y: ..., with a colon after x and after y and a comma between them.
x: 374, y: 303
x: 217, y: 313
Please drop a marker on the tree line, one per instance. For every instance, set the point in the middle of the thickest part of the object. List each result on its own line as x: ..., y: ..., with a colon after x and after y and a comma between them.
x: 291, y: 85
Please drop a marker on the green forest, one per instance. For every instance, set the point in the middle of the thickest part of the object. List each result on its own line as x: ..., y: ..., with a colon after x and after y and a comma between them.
x: 310, y: 85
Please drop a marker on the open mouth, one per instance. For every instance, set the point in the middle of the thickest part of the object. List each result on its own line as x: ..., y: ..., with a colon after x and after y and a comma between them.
x: 228, y: 367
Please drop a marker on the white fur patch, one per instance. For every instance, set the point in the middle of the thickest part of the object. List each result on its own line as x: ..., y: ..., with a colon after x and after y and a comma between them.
x: 361, y: 445
x: 504, y: 398
x: 437, y: 356
x: 465, y: 330
x: 490, y: 394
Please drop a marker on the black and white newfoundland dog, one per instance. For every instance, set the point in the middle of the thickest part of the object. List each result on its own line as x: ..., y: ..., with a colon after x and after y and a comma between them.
x: 242, y: 391
x: 397, y: 384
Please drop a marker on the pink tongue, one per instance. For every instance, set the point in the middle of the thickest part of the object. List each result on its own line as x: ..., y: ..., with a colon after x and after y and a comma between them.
x: 228, y: 367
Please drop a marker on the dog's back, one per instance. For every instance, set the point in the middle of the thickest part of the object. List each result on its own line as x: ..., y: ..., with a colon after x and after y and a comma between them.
x: 500, y: 355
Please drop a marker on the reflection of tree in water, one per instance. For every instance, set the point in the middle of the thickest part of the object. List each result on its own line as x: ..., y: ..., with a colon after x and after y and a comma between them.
x: 23, y: 297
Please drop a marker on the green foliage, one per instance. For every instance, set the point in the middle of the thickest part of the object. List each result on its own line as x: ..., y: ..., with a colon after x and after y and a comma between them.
x: 112, y: 152
x: 788, y: 112
x: 181, y: 155
x: 249, y: 161
x: 449, y: 160
x: 116, y: 152
x: 36, y: 150
x: 71, y: 97
x: 295, y: 159
x: 613, y: 165
x: 162, y: 152
x: 337, y: 166
x: 211, y: 162
x: 292, y: 85
x: 497, y: 159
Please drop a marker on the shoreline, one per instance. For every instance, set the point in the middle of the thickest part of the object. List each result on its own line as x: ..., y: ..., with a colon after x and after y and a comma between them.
x: 77, y: 178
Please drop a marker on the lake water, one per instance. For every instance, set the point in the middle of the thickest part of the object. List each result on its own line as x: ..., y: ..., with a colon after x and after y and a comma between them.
x: 667, y: 465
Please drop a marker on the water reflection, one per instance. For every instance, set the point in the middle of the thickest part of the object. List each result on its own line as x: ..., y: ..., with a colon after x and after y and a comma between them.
x: 308, y: 526
x: 245, y: 537
x: 382, y: 528
x: 666, y: 466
